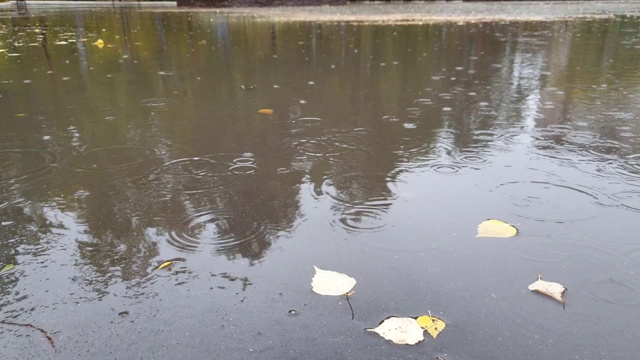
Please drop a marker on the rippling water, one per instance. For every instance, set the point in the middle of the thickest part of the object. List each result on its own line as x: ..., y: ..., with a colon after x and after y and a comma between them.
x: 384, y: 148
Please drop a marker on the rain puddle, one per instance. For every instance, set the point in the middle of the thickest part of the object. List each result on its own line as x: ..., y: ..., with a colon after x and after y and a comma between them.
x: 169, y: 180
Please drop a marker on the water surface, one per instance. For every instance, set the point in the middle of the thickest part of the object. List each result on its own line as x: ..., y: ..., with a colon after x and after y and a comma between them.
x: 387, y: 146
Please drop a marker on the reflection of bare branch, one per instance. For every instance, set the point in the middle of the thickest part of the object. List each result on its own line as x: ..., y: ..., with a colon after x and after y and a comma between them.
x: 46, y: 334
x: 244, y: 280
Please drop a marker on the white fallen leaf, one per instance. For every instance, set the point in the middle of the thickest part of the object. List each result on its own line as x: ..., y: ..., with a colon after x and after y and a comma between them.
x: 496, y: 228
x: 326, y: 282
x: 400, y: 330
x: 548, y: 288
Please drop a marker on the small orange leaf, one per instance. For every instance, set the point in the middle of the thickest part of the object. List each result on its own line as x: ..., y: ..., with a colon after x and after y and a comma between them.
x: 265, y: 111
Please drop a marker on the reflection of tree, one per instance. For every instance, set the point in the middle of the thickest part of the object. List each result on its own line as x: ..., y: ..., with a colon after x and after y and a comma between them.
x: 267, y: 201
x: 173, y: 83
x: 253, y: 209
x: 597, y: 68
x: 116, y: 220
x: 22, y: 225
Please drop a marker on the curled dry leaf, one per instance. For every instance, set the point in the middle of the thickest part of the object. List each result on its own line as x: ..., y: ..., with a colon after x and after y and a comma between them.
x: 496, y: 228
x: 548, y: 288
x: 400, y: 330
x: 265, y: 111
x: 431, y: 324
x: 327, y: 282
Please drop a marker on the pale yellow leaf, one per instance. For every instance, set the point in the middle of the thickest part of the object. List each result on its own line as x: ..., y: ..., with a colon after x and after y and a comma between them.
x: 327, y: 282
x: 400, y: 330
x: 431, y: 324
x: 99, y: 43
x: 169, y: 262
x: 549, y: 288
x: 164, y: 265
x: 496, y: 228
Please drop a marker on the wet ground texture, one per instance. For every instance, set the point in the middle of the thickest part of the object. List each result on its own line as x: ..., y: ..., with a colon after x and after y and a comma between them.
x: 170, y: 177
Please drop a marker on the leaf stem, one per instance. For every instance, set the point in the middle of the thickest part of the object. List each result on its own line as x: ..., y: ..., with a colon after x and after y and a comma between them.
x: 350, y: 307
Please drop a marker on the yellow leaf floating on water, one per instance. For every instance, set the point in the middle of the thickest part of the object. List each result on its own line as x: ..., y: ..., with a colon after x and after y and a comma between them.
x: 265, y: 111
x: 169, y: 263
x: 496, y: 228
x: 164, y: 265
x: 400, y: 330
x: 431, y: 324
x: 327, y: 282
x: 548, y: 288
x: 99, y: 43
x: 7, y: 268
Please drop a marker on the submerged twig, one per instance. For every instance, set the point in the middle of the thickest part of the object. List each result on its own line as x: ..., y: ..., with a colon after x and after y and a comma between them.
x: 349, y: 302
x: 46, y: 334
